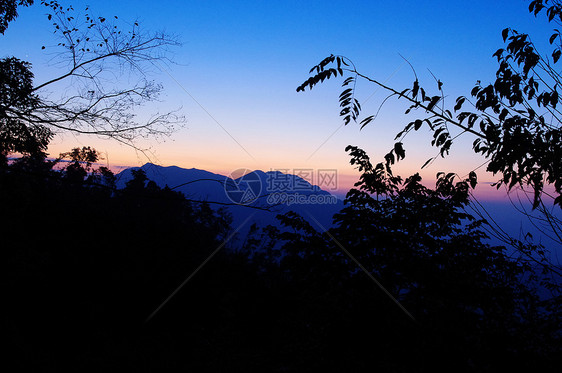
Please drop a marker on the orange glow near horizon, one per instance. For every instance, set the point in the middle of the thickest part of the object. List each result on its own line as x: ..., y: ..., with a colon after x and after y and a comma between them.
x: 237, y: 87
x: 118, y: 157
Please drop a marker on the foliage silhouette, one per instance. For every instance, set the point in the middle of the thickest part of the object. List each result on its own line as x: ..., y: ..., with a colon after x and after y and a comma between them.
x: 9, y: 11
x: 93, y: 54
x: 476, y: 307
x: 83, y: 264
x: 515, y: 122
x: 17, y: 94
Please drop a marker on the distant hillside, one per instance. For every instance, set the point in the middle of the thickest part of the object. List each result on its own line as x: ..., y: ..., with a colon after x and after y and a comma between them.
x: 257, y: 196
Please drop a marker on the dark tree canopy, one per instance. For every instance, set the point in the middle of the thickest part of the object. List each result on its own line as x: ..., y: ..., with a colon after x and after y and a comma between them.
x: 16, y: 96
x: 405, y: 280
x: 9, y: 11
x: 405, y: 270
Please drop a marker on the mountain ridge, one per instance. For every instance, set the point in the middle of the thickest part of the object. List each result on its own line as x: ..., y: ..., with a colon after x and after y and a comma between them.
x: 251, y: 198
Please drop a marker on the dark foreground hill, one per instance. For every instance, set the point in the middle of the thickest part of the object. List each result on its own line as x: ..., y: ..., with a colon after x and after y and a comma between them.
x: 142, y: 279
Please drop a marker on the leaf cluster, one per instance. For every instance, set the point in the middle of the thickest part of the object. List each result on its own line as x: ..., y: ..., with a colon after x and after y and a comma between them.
x: 515, y: 121
x: 9, y: 11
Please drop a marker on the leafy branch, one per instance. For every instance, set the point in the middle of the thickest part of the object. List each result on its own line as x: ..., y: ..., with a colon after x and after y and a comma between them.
x: 105, y: 65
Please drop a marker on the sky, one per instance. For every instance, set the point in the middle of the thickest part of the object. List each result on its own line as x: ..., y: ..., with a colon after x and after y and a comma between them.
x: 234, y: 77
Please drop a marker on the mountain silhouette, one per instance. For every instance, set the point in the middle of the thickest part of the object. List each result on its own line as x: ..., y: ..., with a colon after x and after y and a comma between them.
x: 252, y: 197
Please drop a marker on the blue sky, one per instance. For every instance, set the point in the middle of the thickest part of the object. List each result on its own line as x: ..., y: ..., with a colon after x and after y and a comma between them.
x: 240, y: 62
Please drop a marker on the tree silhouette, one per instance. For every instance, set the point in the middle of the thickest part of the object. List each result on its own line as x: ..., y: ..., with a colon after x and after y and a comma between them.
x: 83, y: 264
x: 93, y: 54
x: 9, y: 11
x: 407, y: 264
x: 515, y: 122
x: 17, y: 94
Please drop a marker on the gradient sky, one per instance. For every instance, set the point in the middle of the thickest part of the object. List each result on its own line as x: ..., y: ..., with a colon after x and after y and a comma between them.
x: 241, y: 61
